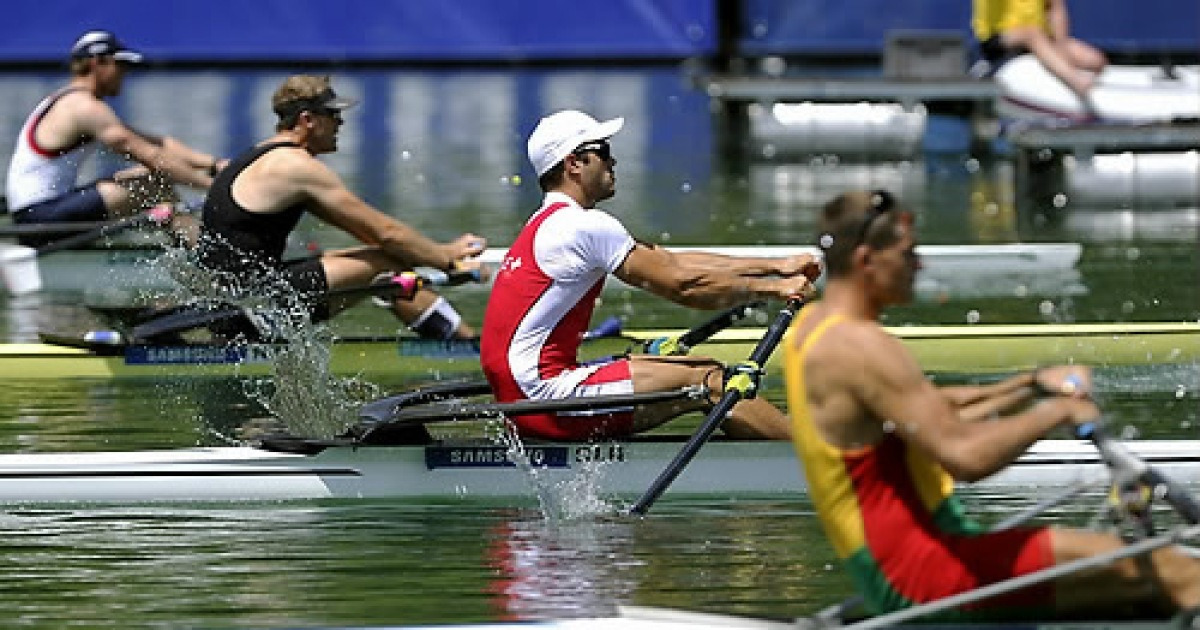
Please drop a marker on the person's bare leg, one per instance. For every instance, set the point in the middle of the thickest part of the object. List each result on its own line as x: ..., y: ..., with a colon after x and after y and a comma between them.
x: 1052, y: 57
x: 410, y: 311
x: 749, y: 419
x: 1084, y: 56
x: 1161, y: 583
x: 350, y: 268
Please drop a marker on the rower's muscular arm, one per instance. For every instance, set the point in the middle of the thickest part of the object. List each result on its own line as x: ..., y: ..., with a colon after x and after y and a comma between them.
x: 894, y: 388
x: 338, y: 206
x: 101, y: 122
x: 712, y: 281
x: 981, y: 402
x: 749, y: 265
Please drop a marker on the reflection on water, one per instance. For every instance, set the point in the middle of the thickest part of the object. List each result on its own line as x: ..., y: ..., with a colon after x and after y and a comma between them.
x: 288, y: 565
x: 1178, y: 225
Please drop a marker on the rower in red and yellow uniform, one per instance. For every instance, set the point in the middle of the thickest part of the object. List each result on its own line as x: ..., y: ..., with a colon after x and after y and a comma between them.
x: 882, y: 448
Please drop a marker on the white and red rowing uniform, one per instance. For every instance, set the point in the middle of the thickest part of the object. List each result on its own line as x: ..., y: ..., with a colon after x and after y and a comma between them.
x: 540, y: 307
x: 38, y: 174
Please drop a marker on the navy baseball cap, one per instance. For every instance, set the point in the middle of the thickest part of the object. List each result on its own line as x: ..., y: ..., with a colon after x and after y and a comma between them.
x: 101, y: 44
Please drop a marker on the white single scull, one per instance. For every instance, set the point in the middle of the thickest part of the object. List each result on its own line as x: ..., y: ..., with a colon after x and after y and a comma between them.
x: 479, y: 468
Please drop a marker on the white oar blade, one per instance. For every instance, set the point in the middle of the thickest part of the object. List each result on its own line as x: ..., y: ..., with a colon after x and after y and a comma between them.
x: 19, y: 265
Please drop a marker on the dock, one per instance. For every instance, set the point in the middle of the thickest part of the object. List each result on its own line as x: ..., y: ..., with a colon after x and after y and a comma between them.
x: 1153, y: 159
x: 797, y: 89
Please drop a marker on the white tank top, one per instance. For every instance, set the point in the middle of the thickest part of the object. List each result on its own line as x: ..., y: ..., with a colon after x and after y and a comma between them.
x: 36, y: 174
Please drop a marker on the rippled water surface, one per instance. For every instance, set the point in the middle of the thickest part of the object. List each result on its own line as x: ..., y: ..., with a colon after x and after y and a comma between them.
x: 286, y: 565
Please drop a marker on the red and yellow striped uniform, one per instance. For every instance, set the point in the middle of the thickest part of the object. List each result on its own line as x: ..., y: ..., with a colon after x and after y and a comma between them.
x: 894, y: 520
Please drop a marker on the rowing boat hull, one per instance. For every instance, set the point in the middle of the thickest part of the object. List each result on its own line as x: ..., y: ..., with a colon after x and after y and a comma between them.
x: 978, y: 348
x: 479, y: 469
x: 651, y: 618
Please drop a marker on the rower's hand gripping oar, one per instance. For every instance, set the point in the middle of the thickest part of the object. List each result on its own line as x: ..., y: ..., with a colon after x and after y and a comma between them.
x: 21, y: 271
x: 742, y: 384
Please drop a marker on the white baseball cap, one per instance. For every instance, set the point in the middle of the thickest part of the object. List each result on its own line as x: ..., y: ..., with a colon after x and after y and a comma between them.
x: 560, y: 133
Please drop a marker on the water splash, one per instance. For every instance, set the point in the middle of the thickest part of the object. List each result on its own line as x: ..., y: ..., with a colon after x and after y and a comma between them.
x: 301, y: 393
x: 575, y: 497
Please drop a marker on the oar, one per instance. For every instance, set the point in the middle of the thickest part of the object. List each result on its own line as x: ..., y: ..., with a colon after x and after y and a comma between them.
x: 158, y: 214
x: 683, y: 343
x: 385, y: 410
x: 743, y: 384
x: 385, y: 413
x: 68, y: 228
x: 1125, y: 464
x: 184, y: 318
x: 19, y: 264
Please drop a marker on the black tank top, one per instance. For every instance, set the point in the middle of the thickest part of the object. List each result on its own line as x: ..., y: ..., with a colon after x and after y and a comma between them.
x: 232, y: 238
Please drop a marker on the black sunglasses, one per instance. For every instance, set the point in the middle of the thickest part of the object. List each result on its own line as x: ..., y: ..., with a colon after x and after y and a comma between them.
x: 335, y: 114
x: 882, y: 202
x: 601, y: 148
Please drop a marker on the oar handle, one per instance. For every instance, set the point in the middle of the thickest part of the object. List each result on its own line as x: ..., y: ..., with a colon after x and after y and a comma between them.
x: 1124, y: 461
x: 742, y: 384
x: 682, y: 344
x: 404, y: 285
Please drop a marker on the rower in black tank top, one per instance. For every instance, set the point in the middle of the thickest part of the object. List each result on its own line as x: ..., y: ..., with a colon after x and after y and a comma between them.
x: 231, y: 234
x: 244, y: 246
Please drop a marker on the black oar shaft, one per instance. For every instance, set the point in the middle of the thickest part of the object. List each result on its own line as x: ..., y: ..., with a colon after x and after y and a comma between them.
x: 64, y: 228
x: 682, y: 344
x: 83, y: 238
x: 732, y: 396
x: 705, y: 331
x: 459, y: 411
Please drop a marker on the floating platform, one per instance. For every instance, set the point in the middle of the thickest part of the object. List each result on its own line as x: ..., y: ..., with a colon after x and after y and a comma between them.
x: 1108, y: 165
x: 864, y: 118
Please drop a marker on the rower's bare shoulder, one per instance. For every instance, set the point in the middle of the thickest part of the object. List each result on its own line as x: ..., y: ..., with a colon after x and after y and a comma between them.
x: 83, y: 112
x: 297, y: 166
